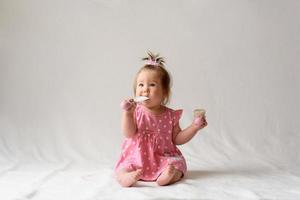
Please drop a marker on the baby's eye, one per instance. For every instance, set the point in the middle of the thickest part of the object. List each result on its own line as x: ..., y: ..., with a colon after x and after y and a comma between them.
x: 152, y: 84
x: 140, y: 84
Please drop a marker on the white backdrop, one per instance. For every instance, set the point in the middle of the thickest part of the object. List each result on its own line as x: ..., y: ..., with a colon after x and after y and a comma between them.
x: 66, y: 65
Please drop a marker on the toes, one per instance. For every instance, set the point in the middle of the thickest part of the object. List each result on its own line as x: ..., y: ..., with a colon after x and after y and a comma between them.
x: 138, y: 174
x: 171, y: 169
x: 129, y: 178
x: 166, y: 176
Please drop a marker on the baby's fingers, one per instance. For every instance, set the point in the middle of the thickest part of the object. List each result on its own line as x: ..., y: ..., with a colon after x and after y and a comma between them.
x: 204, y: 122
x: 133, y: 106
x: 200, y: 122
x: 127, y: 104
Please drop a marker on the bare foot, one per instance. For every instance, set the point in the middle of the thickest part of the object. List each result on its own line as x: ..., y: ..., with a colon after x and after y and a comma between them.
x: 166, y: 176
x: 127, y: 179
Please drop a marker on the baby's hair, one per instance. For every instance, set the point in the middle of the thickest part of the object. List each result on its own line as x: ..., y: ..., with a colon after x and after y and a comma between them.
x: 156, y: 63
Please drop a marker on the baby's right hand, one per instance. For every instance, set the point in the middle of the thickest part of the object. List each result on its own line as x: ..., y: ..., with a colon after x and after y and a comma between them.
x: 128, y: 105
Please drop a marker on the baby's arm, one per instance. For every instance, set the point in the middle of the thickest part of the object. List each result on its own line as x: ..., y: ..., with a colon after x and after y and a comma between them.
x: 128, y: 124
x: 183, y: 136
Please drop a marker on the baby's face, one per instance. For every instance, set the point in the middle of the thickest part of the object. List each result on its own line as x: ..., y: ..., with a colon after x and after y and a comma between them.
x: 149, y: 85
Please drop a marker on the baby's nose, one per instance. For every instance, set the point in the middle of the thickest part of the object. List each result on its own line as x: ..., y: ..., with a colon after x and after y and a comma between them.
x: 145, y: 92
x: 145, y: 89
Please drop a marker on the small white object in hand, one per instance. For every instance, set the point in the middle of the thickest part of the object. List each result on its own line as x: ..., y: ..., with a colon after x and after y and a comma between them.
x: 140, y: 99
x: 199, y: 112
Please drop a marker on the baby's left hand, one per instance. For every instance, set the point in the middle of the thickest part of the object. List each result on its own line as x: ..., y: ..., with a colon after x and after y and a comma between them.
x: 200, y: 122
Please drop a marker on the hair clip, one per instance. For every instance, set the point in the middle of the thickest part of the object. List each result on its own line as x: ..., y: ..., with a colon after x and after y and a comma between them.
x: 154, y: 59
x: 152, y: 62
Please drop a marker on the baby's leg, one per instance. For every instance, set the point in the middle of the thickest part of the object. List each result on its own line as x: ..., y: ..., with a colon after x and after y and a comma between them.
x: 128, y: 178
x: 169, y: 176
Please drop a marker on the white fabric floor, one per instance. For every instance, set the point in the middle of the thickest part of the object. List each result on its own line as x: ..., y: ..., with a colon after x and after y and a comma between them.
x: 67, y: 180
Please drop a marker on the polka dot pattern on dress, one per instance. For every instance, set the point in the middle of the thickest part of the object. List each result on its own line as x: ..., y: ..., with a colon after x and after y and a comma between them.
x: 152, y: 149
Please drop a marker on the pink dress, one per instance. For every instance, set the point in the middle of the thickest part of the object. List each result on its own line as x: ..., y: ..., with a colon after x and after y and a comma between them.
x: 152, y: 149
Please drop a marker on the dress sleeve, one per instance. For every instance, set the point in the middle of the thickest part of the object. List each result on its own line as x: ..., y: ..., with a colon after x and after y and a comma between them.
x: 176, y: 116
